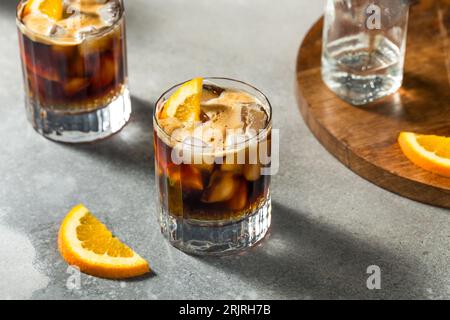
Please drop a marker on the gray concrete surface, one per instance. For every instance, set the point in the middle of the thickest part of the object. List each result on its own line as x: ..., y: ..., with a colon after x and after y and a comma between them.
x: 329, y: 225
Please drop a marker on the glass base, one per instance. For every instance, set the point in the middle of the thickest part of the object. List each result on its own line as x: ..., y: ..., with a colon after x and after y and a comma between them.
x: 208, y: 238
x: 83, y: 127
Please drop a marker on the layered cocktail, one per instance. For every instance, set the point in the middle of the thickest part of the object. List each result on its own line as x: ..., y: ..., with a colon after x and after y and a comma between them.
x: 75, y: 67
x: 212, y: 151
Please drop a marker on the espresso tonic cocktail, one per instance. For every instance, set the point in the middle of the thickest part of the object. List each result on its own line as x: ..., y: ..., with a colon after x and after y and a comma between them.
x: 75, y: 67
x: 212, y: 150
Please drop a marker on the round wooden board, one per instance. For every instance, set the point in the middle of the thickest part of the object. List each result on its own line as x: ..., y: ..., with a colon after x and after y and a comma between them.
x: 365, y: 138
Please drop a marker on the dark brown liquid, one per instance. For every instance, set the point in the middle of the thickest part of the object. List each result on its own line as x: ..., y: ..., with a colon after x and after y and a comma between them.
x: 75, y: 78
x: 192, y: 191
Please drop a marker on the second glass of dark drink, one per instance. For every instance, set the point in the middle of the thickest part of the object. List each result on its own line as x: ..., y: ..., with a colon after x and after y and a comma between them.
x: 75, y: 67
x: 212, y: 158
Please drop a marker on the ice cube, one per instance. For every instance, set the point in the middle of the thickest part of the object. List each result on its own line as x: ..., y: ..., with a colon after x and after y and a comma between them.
x: 224, y: 117
x: 58, y: 32
x: 79, y: 25
x: 252, y: 172
x: 235, y: 142
x: 106, y: 73
x: 239, y: 199
x: 39, y: 24
x: 78, y: 66
x: 179, y: 134
x: 109, y: 12
x: 65, y: 52
x: 196, y: 143
x: 205, y: 167
x: 232, y: 167
x: 169, y: 125
x: 230, y: 97
x: 211, y: 91
x: 213, y: 110
x: 43, y: 68
x: 235, y: 137
x: 253, y: 116
x: 221, y: 187
x: 191, y: 150
x: 224, y: 112
x: 95, y: 45
x: 209, y: 135
x: 75, y: 85
x: 89, y: 7
x: 191, y: 178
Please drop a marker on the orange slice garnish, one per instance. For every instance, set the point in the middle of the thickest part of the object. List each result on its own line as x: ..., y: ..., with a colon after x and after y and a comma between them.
x: 184, y: 104
x: 51, y: 8
x: 430, y: 152
x: 88, y: 244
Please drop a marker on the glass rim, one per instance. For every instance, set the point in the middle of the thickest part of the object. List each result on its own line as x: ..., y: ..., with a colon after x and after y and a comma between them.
x: 22, y: 27
x: 261, y: 134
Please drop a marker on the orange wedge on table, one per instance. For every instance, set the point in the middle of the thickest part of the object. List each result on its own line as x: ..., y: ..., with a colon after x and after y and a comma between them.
x: 184, y: 103
x: 87, y: 243
x: 52, y: 8
x: 429, y: 152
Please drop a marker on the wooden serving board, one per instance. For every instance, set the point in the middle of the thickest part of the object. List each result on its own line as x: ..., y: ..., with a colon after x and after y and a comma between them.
x: 365, y: 138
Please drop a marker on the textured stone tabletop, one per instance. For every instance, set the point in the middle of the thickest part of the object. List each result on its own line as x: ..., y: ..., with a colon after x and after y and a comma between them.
x: 329, y: 225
